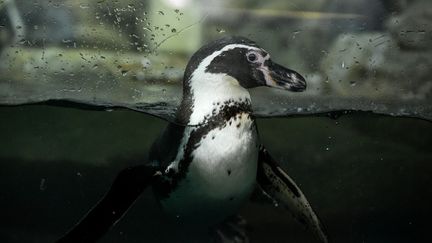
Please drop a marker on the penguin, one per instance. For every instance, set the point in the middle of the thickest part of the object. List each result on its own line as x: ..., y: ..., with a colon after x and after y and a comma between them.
x: 206, y: 164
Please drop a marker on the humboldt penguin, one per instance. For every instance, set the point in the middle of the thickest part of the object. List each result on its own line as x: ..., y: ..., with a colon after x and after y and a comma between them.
x: 206, y: 164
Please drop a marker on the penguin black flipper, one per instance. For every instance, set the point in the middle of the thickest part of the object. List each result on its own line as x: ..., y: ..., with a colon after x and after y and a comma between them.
x: 165, y: 148
x: 281, y: 188
x: 126, y: 188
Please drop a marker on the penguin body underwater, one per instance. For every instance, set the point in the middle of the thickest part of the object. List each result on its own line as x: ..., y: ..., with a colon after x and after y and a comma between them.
x: 205, y: 166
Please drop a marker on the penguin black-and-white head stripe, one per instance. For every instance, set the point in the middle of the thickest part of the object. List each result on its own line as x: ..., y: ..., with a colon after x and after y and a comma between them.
x: 223, y: 70
x: 245, y: 61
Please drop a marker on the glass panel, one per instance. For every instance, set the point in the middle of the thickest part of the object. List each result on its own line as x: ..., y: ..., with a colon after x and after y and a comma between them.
x: 355, y: 55
x: 367, y: 176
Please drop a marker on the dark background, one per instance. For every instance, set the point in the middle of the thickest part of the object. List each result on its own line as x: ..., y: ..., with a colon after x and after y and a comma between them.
x: 368, y: 177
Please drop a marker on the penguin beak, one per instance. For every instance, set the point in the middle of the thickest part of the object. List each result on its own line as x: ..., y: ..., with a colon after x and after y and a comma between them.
x: 280, y: 77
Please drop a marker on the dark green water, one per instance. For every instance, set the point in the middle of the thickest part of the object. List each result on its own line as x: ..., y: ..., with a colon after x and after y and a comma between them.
x: 368, y: 177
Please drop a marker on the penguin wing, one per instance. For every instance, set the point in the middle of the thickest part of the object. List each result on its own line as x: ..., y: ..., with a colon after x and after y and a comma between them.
x: 281, y: 188
x: 165, y: 148
x: 126, y: 188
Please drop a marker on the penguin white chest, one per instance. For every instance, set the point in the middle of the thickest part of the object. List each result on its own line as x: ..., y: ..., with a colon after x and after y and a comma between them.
x: 222, y: 173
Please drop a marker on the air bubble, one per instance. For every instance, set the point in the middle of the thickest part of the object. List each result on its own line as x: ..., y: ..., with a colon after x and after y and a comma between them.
x: 42, y: 185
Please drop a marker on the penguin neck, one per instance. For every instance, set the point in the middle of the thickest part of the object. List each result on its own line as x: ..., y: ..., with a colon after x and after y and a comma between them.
x: 210, y: 95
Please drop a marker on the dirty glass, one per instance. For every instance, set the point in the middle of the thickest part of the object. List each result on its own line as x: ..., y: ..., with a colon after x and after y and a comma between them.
x: 68, y: 68
x: 356, y: 55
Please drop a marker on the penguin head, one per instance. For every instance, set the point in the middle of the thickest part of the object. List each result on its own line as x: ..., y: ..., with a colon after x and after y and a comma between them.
x: 244, y: 61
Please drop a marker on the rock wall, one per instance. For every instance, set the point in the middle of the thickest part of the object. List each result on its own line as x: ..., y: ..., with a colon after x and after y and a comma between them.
x: 395, y: 61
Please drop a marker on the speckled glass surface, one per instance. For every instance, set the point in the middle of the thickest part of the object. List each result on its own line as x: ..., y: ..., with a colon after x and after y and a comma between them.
x: 87, y: 86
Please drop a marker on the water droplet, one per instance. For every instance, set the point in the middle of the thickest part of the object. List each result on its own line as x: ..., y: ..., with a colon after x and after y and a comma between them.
x: 353, y: 83
x: 18, y: 27
x: 220, y: 30
x: 295, y: 33
x: 161, y: 12
x: 343, y: 65
x: 124, y: 72
x: 327, y: 148
x: 95, y: 66
x: 84, y: 5
x: 176, y: 10
x: 173, y: 30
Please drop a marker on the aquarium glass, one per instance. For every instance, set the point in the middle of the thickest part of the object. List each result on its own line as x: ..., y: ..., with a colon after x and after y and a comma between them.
x: 87, y: 86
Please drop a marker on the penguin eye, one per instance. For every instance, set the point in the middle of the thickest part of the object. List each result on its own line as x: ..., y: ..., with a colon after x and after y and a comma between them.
x: 252, y: 57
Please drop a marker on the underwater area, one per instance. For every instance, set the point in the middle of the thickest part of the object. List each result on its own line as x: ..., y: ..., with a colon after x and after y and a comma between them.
x: 367, y: 176
x: 87, y: 87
